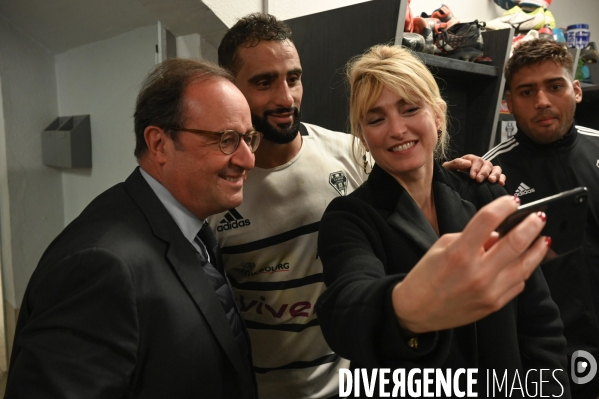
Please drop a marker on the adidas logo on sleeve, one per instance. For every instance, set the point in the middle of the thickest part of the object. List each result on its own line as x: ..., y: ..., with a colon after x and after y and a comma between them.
x: 232, y: 220
x: 523, y: 189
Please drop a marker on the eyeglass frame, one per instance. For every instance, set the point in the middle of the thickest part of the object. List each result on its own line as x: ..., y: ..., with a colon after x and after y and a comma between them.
x: 221, y: 134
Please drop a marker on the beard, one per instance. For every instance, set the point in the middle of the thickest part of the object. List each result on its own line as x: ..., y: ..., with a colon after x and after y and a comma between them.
x: 548, y: 135
x: 279, y: 134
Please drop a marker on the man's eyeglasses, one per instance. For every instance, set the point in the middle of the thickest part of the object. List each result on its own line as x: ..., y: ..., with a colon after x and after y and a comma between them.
x: 228, y: 139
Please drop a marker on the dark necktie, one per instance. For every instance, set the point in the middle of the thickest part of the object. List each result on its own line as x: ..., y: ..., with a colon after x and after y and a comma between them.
x: 207, y: 241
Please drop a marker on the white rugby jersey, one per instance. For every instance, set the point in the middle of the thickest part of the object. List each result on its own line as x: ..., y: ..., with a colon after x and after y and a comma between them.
x: 269, y: 247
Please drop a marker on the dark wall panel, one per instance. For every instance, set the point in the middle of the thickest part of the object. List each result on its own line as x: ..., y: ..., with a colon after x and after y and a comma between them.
x: 325, y: 42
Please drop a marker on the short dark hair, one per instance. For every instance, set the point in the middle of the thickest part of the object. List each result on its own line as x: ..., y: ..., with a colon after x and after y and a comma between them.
x: 160, y: 100
x: 535, y: 52
x: 248, y: 32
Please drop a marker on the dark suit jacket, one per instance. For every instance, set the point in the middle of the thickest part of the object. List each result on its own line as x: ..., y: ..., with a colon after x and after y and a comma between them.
x: 119, y: 307
x: 371, y: 239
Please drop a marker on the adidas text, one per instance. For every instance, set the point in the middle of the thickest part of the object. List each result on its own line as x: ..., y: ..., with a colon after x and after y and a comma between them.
x: 523, y: 189
x: 233, y: 225
x: 524, y: 192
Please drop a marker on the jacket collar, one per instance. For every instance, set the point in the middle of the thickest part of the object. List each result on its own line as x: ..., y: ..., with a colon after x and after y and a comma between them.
x: 564, y: 143
x: 402, y: 213
x: 187, y: 222
x: 181, y: 256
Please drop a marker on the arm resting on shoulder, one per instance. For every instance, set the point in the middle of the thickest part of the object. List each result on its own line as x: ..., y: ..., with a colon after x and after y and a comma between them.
x: 478, y: 169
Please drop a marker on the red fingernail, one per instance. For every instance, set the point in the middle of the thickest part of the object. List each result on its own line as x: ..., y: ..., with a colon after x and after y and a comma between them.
x: 542, y: 215
x: 516, y: 199
x: 548, y: 241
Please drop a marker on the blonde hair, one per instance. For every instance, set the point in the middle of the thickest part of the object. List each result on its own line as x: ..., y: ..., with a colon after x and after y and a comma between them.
x: 398, y: 70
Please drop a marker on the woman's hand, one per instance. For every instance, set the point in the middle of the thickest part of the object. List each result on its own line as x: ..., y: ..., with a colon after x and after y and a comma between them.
x: 467, y: 276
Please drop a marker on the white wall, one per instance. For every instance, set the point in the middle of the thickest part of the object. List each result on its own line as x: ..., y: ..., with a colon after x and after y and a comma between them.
x: 30, y: 193
x: 287, y: 9
x: 196, y: 47
x: 189, y: 46
x: 229, y: 11
x: 565, y: 12
x: 102, y: 79
x: 577, y: 12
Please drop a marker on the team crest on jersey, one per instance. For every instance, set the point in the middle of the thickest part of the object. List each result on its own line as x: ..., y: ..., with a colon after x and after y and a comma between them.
x: 339, y: 182
x: 248, y: 267
x: 245, y: 269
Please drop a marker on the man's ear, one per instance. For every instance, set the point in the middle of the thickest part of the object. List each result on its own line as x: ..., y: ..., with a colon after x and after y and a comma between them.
x: 508, y: 99
x: 577, y: 91
x: 156, y: 140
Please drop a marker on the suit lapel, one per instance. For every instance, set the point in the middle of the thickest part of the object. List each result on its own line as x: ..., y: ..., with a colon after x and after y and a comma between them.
x: 409, y: 220
x: 181, y: 256
x: 189, y: 270
x: 453, y: 213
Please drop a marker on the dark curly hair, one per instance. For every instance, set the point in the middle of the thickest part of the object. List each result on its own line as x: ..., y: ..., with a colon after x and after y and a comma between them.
x: 160, y: 100
x: 535, y: 52
x: 248, y: 32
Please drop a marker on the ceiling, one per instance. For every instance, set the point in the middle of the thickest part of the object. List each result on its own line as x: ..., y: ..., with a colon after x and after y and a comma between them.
x: 59, y: 25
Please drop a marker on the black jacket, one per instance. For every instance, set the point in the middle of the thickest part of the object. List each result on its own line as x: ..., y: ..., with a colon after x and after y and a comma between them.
x: 535, y: 171
x: 372, y: 238
x: 119, y: 307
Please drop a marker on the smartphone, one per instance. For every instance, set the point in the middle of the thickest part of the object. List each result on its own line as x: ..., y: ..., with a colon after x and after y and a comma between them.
x: 566, y: 220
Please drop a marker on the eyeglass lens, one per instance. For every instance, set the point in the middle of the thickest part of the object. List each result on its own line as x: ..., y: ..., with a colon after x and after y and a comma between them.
x: 229, y: 141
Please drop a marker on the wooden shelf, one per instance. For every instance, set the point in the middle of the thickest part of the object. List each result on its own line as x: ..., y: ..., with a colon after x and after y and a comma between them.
x: 453, y: 67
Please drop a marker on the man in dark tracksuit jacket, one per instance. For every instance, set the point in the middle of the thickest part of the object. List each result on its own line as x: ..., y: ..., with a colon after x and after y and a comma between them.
x: 548, y: 155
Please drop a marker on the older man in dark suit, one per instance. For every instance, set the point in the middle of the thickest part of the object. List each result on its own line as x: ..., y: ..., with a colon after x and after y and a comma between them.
x: 130, y: 300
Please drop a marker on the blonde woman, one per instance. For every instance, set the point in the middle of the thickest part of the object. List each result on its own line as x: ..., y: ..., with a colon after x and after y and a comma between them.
x: 416, y: 276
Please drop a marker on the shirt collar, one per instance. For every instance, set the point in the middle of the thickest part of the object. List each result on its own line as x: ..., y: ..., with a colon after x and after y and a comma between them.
x: 189, y: 224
